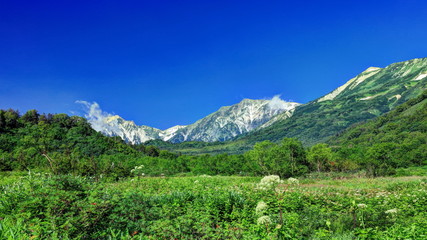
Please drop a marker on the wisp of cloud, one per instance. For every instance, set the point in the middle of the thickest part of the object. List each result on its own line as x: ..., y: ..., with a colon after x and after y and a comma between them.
x: 96, y: 117
x: 276, y: 103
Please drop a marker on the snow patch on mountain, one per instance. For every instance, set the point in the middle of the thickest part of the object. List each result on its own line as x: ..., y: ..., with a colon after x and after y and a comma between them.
x: 336, y: 92
x: 371, y: 97
x: 421, y: 76
x: 351, y: 84
x: 169, y: 133
x: 397, y: 96
x: 371, y: 69
x: 365, y: 75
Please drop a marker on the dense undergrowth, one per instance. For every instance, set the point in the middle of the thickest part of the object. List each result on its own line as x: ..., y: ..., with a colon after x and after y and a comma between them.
x: 44, y: 206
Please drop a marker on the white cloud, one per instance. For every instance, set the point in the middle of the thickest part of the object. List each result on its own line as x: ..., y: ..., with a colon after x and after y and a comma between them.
x: 276, y: 103
x: 98, y: 118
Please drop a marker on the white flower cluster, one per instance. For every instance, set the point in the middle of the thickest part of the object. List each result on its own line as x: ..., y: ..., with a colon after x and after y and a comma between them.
x: 361, y: 205
x: 261, y: 207
x: 269, y: 182
x: 264, y: 220
x: 293, y: 181
x: 391, y: 211
x: 137, y: 170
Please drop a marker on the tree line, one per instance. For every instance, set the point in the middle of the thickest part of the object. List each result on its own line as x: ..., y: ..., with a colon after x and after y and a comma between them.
x: 64, y: 144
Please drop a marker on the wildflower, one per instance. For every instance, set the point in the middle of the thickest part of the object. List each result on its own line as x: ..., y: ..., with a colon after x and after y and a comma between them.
x: 293, y: 181
x: 361, y: 205
x: 261, y: 207
x: 264, y: 220
x: 391, y: 211
x: 269, y: 182
x: 137, y: 170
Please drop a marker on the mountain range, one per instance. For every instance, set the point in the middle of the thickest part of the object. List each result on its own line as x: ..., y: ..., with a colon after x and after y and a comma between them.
x: 236, y: 128
x: 224, y: 124
x: 368, y: 95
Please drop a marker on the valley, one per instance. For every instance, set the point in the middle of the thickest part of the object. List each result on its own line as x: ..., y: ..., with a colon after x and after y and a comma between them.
x: 348, y: 165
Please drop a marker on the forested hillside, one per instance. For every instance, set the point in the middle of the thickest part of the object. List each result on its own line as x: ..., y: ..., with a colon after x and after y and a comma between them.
x: 59, y: 142
x: 396, y: 139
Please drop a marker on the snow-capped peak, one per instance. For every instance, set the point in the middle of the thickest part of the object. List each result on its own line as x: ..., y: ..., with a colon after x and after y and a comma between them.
x: 224, y: 124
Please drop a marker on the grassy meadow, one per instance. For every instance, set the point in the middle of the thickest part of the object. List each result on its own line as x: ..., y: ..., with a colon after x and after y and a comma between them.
x: 323, y: 206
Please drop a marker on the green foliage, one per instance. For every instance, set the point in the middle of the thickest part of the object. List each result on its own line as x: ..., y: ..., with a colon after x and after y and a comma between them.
x: 201, y: 148
x: 395, y: 140
x: 58, y: 143
x: 30, y: 117
x: 320, y: 157
x: 68, y: 145
x: 43, y: 206
x: 285, y: 159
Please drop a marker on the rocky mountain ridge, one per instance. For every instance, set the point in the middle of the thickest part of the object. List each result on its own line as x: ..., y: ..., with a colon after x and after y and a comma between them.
x: 224, y: 124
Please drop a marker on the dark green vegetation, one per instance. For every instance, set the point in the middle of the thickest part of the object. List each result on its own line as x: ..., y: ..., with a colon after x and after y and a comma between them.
x: 198, y: 148
x: 68, y: 145
x: 396, y: 139
x: 368, y: 95
x: 58, y: 142
x: 42, y: 206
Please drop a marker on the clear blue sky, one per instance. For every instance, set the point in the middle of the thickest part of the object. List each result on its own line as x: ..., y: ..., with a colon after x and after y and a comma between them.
x: 163, y: 63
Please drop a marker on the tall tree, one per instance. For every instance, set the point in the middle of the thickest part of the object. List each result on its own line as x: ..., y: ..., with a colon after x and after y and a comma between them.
x: 319, y: 156
x: 31, y: 116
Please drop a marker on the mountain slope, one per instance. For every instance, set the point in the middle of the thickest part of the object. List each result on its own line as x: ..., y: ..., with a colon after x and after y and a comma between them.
x: 231, y: 121
x: 406, y: 123
x: 397, y: 138
x: 128, y: 130
x: 370, y: 94
x: 224, y: 124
